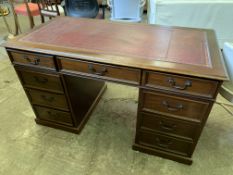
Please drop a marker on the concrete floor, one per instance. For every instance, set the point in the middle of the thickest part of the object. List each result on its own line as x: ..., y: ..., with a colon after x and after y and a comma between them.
x: 104, y: 146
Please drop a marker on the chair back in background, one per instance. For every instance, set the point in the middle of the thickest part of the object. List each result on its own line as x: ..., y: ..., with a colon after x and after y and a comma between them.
x: 82, y: 8
x: 48, y: 8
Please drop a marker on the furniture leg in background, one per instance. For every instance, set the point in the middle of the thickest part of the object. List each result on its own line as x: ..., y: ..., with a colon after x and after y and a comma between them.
x: 4, y: 12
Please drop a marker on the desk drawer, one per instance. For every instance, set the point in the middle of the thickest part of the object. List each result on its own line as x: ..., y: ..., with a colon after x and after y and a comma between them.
x: 41, y: 80
x: 161, y: 142
x: 32, y: 59
x: 127, y: 75
x: 47, y: 99
x: 53, y: 115
x: 174, y: 105
x: 181, y: 84
x: 166, y: 125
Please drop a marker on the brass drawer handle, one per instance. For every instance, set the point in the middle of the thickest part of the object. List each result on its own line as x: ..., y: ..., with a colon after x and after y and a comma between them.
x: 172, y: 82
x: 35, y: 61
x: 167, y: 127
x: 46, y: 98
x: 94, y: 71
x: 53, y: 114
x: 40, y: 80
x: 170, y: 108
x: 163, y: 143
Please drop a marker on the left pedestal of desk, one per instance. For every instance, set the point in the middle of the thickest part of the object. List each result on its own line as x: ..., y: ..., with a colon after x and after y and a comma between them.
x: 58, y: 100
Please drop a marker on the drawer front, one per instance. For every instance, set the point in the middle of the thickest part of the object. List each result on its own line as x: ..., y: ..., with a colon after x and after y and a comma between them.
x: 177, y: 128
x: 174, y: 105
x: 182, y: 84
x: 165, y: 143
x: 126, y: 75
x: 41, y: 80
x: 32, y: 59
x: 47, y: 99
x: 53, y: 115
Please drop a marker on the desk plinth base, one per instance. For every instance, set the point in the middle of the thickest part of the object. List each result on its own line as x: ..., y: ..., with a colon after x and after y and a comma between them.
x: 164, y: 154
x: 57, y: 126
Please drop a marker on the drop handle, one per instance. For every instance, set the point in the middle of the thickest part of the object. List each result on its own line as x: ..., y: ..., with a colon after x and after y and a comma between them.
x: 52, y: 114
x: 163, y: 143
x: 172, y: 108
x: 40, y: 80
x: 34, y: 61
x: 96, y: 72
x: 167, y: 127
x: 173, y: 84
x: 46, y: 98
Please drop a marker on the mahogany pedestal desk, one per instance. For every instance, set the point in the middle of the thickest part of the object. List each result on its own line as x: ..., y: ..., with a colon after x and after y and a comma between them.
x: 63, y: 66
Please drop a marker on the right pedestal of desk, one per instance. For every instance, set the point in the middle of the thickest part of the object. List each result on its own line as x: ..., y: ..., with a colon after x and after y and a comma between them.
x: 172, y: 112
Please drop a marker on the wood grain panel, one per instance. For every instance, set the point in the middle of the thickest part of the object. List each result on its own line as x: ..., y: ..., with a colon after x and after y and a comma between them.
x: 152, y: 47
x: 174, y: 105
x: 181, y: 84
x: 127, y: 75
x: 169, y: 126
x: 42, y: 81
x: 47, y: 99
x: 53, y: 115
x: 170, y: 144
x: 32, y: 59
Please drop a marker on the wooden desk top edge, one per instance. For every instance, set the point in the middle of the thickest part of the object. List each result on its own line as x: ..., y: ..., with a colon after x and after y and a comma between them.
x: 217, y: 71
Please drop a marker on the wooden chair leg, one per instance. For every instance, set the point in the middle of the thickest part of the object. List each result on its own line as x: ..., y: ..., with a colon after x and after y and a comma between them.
x: 16, y: 22
x: 17, y: 26
x: 103, y: 10
x: 42, y: 18
x: 31, y: 21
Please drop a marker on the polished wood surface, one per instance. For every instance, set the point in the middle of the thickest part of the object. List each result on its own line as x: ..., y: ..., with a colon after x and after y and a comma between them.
x: 122, y: 74
x: 169, y: 49
x: 38, y: 60
x: 176, y: 83
x: 170, y: 144
x: 48, y: 99
x: 42, y: 81
x: 63, y: 64
x: 174, y: 105
x: 53, y: 115
x: 170, y: 126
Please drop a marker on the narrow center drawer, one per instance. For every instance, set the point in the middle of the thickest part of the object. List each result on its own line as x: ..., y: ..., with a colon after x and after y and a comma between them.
x: 181, y: 84
x: 107, y: 72
x: 166, y: 143
x: 165, y: 125
x: 31, y: 59
x: 174, y: 105
x: 47, y: 99
x: 41, y: 80
x: 53, y: 115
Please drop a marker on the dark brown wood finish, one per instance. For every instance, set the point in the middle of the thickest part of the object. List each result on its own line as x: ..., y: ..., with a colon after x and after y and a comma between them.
x: 189, y: 109
x: 167, y: 49
x: 183, y: 84
x: 83, y: 95
x: 32, y: 59
x: 48, y: 99
x: 178, y: 72
x: 167, y: 125
x: 163, y: 142
x: 127, y: 75
x: 43, y: 81
x: 53, y: 115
